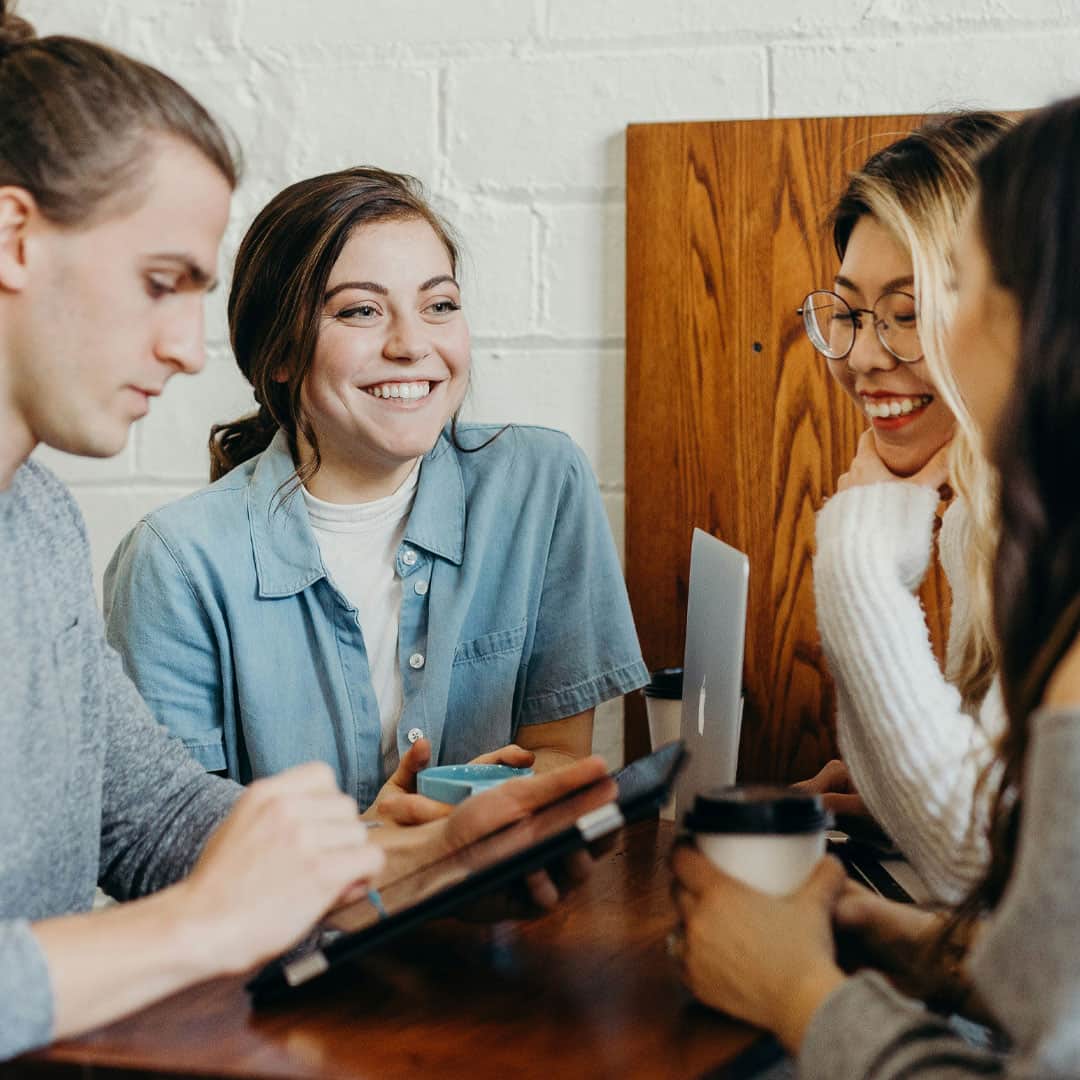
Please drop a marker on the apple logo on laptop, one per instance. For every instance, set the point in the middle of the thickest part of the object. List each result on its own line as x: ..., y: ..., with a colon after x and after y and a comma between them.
x: 701, y: 709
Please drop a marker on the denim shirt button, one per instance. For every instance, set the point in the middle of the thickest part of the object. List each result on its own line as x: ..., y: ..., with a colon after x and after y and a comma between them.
x: 420, y: 588
x: 416, y: 661
x: 414, y: 734
x: 409, y: 558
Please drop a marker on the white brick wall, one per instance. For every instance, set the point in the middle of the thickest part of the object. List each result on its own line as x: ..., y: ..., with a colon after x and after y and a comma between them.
x: 513, y: 112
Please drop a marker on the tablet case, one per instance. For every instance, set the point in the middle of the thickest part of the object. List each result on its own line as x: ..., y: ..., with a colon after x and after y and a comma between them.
x: 643, y: 787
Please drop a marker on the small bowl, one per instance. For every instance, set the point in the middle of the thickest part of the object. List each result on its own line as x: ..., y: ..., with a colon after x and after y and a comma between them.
x: 453, y: 783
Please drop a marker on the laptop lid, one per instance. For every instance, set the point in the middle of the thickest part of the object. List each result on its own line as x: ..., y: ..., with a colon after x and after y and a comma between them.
x: 712, y: 666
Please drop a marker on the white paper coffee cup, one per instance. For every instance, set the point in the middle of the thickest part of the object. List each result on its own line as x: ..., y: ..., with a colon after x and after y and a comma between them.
x: 771, y: 838
x: 663, y: 705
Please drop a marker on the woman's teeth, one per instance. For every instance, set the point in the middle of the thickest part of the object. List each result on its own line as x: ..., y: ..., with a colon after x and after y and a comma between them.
x: 901, y: 406
x: 409, y: 391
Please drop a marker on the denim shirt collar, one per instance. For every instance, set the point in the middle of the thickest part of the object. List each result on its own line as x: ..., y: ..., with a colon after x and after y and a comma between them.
x: 287, y: 556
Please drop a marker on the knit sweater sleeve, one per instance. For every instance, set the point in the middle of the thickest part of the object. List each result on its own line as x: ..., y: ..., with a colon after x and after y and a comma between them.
x: 1024, y: 963
x: 914, y: 753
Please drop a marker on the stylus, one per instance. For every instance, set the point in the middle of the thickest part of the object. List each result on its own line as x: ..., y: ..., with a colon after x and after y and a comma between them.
x: 376, y: 902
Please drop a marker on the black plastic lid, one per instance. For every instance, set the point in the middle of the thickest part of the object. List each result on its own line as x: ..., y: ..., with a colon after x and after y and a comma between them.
x: 665, y: 683
x: 757, y: 809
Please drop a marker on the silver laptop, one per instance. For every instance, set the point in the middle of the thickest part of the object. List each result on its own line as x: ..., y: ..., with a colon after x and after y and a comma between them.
x: 712, y: 666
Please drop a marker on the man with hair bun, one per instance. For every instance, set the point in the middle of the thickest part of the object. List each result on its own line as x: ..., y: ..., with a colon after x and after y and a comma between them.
x: 114, y: 193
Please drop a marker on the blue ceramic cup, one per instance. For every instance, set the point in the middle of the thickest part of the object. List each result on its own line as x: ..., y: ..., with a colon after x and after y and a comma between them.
x: 453, y: 783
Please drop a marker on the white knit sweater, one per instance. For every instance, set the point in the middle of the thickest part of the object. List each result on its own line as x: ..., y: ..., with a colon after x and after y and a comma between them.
x: 914, y: 753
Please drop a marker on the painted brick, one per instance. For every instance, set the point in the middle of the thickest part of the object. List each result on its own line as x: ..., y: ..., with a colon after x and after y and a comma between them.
x: 496, y: 271
x: 542, y: 123
x: 276, y: 24
x: 580, y: 392
x: 615, y: 505
x: 73, y: 469
x: 360, y: 114
x: 617, y: 20
x: 608, y: 733
x: 925, y: 75
x: 110, y: 514
x: 171, y: 441
x: 583, y: 268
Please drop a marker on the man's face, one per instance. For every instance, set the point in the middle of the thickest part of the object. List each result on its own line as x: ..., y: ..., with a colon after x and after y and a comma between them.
x: 108, y: 313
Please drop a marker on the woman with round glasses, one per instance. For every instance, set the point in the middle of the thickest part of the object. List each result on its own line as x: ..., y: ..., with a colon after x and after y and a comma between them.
x: 914, y: 740
x: 771, y: 960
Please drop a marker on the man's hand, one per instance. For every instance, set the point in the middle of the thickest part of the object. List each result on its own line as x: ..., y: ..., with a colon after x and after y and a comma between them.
x: 398, y: 803
x: 292, y: 848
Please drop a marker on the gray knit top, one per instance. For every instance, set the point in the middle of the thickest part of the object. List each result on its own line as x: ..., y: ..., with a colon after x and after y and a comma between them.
x: 92, y: 789
x: 1025, y: 963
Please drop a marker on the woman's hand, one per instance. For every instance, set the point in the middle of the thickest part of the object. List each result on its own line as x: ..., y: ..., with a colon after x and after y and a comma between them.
x: 834, y: 784
x: 409, y: 849
x: 868, y: 468
x: 902, y: 941
x: 398, y: 803
x: 767, y: 960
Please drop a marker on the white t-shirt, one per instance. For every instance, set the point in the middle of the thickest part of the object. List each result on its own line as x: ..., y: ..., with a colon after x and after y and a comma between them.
x: 359, y: 544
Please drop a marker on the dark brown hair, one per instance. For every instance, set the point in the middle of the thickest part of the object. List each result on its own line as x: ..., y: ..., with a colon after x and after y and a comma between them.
x: 1030, y: 225
x: 279, y: 280
x: 77, y: 122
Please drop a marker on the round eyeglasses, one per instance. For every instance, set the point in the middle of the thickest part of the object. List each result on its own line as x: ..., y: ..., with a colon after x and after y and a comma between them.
x: 832, y: 324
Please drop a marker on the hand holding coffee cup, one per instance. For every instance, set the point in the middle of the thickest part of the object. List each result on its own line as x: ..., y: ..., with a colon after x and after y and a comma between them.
x: 770, y: 838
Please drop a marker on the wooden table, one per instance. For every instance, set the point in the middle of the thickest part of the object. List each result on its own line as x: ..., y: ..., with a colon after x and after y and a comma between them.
x: 586, y: 991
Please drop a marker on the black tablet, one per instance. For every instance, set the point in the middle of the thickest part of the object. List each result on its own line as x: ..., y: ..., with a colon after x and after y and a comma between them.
x: 474, y: 871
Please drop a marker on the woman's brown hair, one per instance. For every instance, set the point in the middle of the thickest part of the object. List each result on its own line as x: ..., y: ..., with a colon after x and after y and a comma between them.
x: 78, y: 118
x: 279, y: 280
x: 1030, y: 226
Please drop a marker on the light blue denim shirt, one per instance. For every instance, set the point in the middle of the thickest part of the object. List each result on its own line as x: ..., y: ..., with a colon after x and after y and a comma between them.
x: 514, y: 611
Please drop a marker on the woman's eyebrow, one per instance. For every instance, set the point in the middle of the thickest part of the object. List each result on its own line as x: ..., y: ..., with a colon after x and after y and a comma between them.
x: 367, y: 286
x: 901, y: 282
x: 438, y: 279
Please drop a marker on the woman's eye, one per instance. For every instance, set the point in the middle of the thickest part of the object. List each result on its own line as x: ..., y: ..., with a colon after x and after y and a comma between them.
x: 360, y: 311
x: 843, y: 317
x: 444, y: 307
x: 158, y: 287
x: 904, y: 319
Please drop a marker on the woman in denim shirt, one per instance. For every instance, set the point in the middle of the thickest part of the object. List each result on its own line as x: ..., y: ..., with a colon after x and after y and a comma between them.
x: 368, y: 581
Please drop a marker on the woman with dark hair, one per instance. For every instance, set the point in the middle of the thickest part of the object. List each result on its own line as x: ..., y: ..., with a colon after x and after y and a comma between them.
x: 369, y: 582
x: 115, y: 186
x: 1013, y: 344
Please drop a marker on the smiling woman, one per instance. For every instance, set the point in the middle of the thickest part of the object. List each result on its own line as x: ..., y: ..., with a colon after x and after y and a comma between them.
x: 914, y: 739
x: 368, y: 581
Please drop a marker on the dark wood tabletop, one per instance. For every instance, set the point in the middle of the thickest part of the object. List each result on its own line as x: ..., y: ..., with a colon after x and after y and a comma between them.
x: 586, y: 991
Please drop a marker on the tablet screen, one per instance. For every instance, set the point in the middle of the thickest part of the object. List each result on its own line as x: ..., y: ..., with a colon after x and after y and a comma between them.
x: 473, y: 871
x: 410, y: 890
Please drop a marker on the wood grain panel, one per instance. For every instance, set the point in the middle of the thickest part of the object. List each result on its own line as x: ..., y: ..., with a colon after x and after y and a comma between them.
x: 733, y: 423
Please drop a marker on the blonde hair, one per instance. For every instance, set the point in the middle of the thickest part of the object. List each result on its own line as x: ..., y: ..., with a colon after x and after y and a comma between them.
x: 918, y: 189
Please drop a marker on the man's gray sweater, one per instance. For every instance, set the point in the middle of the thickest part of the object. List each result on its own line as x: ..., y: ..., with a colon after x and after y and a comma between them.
x: 92, y: 789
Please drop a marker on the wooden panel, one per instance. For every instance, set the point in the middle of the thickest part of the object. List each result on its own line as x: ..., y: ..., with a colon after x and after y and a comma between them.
x: 733, y: 423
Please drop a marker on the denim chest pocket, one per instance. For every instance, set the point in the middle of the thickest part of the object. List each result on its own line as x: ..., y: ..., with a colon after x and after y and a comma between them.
x: 491, y: 646
x: 483, y: 678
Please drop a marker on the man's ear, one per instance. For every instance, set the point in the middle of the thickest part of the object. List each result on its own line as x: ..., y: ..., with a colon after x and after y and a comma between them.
x: 17, y: 210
